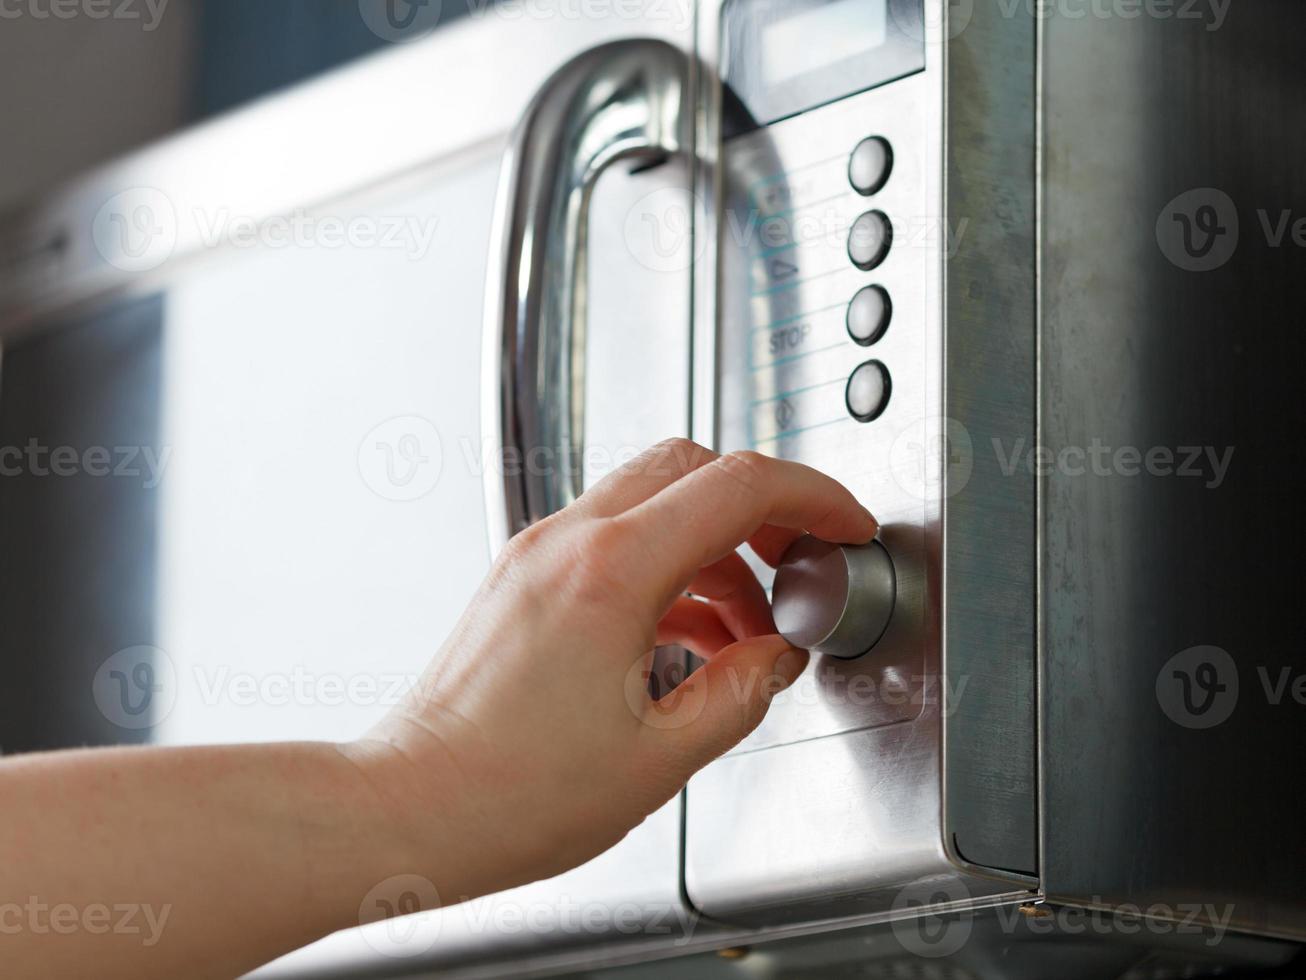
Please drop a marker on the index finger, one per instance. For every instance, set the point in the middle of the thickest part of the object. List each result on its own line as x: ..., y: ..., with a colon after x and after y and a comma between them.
x: 701, y: 518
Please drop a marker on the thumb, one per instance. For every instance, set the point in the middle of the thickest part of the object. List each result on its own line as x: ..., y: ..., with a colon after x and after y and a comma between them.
x: 722, y: 702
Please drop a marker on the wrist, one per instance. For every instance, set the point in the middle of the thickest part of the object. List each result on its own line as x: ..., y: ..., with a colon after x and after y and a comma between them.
x: 350, y: 840
x: 405, y: 819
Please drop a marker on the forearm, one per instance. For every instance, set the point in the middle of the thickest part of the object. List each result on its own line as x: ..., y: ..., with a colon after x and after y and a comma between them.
x: 531, y: 746
x: 184, y: 861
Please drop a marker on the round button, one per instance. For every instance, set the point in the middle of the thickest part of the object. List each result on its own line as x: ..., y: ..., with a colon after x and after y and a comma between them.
x: 870, y: 165
x: 868, y: 391
x: 869, y: 239
x: 869, y: 314
x: 834, y: 599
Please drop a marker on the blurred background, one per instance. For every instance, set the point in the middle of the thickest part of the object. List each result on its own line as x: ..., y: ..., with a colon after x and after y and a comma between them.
x: 91, y: 89
x: 324, y: 516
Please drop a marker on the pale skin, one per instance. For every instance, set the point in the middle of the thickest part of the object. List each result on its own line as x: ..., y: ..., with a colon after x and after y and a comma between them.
x: 529, y: 747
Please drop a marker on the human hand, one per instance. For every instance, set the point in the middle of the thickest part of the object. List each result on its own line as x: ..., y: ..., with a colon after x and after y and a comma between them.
x: 532, y: 744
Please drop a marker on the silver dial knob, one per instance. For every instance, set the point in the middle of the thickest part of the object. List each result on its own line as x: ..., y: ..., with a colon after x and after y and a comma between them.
x: 834, y: 599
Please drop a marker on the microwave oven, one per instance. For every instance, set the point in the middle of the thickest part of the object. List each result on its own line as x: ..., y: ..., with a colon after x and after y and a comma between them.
x: 980, y: 262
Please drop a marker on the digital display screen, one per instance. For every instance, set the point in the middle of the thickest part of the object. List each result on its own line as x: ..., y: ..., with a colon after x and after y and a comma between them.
x: 783, y: 57
x: 813, y: 39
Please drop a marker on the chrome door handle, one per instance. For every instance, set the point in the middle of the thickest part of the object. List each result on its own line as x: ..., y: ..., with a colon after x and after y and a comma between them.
x: 624, y: 101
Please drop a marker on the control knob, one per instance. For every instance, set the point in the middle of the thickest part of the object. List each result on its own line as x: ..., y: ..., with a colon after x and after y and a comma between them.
x: 834, y: 599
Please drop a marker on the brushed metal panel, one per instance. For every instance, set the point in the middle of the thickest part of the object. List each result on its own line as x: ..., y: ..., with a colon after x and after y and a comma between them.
x: 830, y: 822
x: 834, y: 802
x: 1142, y: 350
x: 786, y: 356
x: 989, y: 507
x: 996, y: 944
x: 830, y: 806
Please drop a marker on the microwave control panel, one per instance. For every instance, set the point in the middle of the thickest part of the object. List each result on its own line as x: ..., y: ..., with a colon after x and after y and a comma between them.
x: 831, y: 249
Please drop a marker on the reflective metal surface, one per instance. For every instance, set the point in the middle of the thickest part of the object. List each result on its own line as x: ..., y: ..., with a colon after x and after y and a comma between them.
x: 1173, y: 295
x: 840, y: 799
x: 625, y: 102
x: 990, y: 357
x: 877, y: 786
x: 786, y: 355
x: 834, y: 600
x: 1003, y: 943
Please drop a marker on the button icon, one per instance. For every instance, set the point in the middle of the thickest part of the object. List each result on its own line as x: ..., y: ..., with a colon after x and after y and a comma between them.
x: 868, y: 391
x: 869, y: 240
x: 869, y: 314
x: 870, y: 165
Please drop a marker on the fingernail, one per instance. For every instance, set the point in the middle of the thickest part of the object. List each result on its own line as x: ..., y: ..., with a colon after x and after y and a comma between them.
x: 875, y: 525
x: 790, y: 665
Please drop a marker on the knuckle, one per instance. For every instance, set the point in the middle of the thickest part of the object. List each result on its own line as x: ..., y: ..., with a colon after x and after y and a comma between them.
x: 676, y: 456
x: 598, y: 555
x: 745, y: 467
x: 517, y: 565
x: 677, y: 445
x: 752, y: 692
x: 606, y: 538
x: 526, y: 541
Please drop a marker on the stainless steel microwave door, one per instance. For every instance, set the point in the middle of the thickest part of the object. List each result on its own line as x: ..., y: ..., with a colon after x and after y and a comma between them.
x: 317, y: 302
x: 839, y: 237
